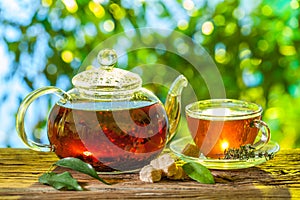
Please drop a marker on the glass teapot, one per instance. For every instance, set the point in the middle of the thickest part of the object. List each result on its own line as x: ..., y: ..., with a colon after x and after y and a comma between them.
x: 108, y: 119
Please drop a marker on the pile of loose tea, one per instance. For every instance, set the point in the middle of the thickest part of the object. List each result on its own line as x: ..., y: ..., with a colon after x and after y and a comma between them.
x: 246, y: 152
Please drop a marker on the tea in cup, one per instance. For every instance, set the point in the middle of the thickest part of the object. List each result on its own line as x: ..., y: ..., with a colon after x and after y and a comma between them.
x: 219, y: 124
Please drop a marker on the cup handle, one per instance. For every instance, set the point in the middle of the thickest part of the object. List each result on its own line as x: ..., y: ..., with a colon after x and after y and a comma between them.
x: 22, y: 111
x: 266, y: 134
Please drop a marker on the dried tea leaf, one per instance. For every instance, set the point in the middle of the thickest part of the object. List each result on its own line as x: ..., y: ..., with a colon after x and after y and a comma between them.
x: 59, y: 181
x: 80, y: 166
x: 198, y: 172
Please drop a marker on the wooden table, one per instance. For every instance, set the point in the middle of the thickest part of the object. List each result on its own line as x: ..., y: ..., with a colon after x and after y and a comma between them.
x: 277, y: 178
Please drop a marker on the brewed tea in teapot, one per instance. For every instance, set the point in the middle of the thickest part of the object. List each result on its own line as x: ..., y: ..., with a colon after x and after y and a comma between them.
x: 130, y: 136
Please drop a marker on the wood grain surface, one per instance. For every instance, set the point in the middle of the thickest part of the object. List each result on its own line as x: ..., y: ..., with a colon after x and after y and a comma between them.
x: 278, y: 178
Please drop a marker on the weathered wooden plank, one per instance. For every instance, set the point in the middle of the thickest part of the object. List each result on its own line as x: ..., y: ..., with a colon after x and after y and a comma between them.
x: 277, y: 178
x: 224, y: 192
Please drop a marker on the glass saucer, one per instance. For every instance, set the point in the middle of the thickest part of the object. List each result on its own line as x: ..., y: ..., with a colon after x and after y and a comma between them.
x: 178, y: 145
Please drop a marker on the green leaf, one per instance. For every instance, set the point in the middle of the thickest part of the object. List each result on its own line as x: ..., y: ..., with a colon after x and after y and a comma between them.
x: 80, y: 166
x: 59, y: 181
x: 198, y: 172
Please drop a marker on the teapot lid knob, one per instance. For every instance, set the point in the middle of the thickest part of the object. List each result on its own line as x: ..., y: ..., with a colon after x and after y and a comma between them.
x: 107, y: 58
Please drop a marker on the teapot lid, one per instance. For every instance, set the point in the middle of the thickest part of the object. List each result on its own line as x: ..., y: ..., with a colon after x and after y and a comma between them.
x: 107, y: 80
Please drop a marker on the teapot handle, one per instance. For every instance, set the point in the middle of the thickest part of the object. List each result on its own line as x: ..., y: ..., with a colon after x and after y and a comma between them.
x: 22, y: 111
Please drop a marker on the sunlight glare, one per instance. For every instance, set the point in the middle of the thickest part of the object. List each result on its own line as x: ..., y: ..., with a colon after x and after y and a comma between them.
x: 96, y: 9
x: 109, y: 25
x: 188, y: 4
x: 67, y: 56
x: 224, y: 145
x: 294, y: 4
x: 71, y: 5
x: 87, y: 153
x: 207, y: 28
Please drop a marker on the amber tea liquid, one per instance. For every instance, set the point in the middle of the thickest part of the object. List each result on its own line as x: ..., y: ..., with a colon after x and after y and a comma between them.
x: 214, y: 135
x: 111, y: 137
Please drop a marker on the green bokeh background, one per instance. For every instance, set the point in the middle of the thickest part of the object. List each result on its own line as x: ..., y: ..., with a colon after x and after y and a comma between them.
x: 255, y: 45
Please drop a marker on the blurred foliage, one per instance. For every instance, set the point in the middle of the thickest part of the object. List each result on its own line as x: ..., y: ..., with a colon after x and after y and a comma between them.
x: 255, y: 47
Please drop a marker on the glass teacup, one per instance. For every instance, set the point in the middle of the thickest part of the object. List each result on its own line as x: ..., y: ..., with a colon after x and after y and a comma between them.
x: 219, y: 124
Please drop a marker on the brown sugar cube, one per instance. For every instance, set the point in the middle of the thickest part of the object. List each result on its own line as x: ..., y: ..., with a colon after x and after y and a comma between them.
x: 150, y: 174
x: 179, y: 175
x: 191, y: 150
x: 166, y: 163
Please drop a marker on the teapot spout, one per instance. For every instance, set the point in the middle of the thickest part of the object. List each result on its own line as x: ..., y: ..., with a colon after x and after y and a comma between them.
x: 173, y: 104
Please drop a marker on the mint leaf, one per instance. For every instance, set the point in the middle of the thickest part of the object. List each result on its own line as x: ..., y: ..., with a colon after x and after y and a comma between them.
x: 59, y: 181
x: 80, y: 166
x: 198, y: 172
